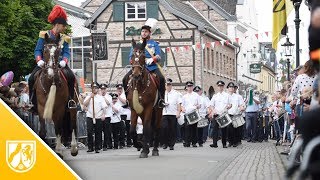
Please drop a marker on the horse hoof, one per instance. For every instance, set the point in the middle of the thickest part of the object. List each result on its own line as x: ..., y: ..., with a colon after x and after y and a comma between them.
x: 74, y: 153
x: 60, y: 155
x: 143, y: 155
x: 155, y: 153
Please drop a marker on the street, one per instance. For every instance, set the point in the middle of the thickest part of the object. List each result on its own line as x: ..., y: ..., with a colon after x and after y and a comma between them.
x: 247, y: 161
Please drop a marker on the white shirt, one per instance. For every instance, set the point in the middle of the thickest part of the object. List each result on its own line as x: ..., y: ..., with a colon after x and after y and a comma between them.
x: 275, y: 109
x: 220, y: 101
x: 173, y: 98
x: 302, y: 81
x: 204, y: 104
x: 190, y: 101
x: 108, y: 98
x: 24, y: 99
x: 115, y: 118
x: 99, y: 105
x: 125, y: 111
x: 236, y: 101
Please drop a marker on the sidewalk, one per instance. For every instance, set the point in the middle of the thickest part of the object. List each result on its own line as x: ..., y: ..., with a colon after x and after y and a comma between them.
x: 256, y: 161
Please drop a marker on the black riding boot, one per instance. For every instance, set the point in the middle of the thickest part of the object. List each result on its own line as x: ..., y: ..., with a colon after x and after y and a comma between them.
x: 161, y: 102
x: 125, y: 82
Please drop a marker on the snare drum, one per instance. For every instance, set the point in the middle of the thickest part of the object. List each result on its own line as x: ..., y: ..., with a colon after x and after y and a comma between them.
x: 237, y: 121
x: 192, y: 117
x: 223, y: 120
x: 181, y: 119
x: 203, y: 123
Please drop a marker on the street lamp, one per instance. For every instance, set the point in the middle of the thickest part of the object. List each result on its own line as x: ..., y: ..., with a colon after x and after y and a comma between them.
x: 287, y: 50
x: 296, y: 4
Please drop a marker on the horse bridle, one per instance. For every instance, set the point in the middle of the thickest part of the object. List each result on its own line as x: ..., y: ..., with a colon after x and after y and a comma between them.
x: 137, y: 55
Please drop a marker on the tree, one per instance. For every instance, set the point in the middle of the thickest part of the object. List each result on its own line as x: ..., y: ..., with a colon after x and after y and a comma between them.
x: 20, y: 23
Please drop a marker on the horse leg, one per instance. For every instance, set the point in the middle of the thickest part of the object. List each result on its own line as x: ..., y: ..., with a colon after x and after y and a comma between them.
x: 74, y: 143
x: 42, y: 132
x: 146, y: 133
x: 156, y: 129
x: 133, y: 131
x: 58, y: 148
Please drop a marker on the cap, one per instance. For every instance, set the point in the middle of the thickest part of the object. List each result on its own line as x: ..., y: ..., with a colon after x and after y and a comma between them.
x: 220, y: 83
x: 58, y: 16
x: 95, y: 84
x: 169, y: 81
x: 114, y: 96
x: 103, y: 86
x: 197, y: 89
x: 189, y: 83
x: 119, y: 86
x: 230, y: 84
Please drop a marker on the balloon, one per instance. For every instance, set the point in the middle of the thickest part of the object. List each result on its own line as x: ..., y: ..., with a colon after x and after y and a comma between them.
x: 6, y: 78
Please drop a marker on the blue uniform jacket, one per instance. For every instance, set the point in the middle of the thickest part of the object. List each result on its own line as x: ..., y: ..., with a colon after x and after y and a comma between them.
x: 154, y: 47
x: 65, y: 51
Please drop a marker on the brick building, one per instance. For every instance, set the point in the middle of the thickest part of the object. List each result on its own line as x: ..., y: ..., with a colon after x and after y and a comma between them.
x: 183, y: 28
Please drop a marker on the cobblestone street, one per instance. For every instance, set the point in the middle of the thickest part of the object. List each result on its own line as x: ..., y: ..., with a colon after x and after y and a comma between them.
x: 247, y: 161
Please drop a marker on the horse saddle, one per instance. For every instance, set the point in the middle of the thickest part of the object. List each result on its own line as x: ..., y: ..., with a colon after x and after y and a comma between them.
x: 155, y: 79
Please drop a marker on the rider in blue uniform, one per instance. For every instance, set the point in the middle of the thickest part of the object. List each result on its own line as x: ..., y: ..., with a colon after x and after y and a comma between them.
x: 58, y: 18
x: 152, y: 53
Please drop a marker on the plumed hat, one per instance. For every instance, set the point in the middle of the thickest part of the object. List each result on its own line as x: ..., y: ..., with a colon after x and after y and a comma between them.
x: 58, y: 16
x: 150, y: 25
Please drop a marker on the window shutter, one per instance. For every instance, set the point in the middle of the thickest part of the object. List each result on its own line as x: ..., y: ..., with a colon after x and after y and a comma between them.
x: 125, y: 51
x: 152, y: 9
x: 163, y: 56
x: 118, y: 11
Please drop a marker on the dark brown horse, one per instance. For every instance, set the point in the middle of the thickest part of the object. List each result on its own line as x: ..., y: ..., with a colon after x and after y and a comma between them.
x: 52, y: 98
x: 142, y: 96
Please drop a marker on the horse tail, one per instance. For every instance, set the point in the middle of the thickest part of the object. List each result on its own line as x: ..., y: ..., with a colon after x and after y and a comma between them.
x: 136, y: 104
x: 48, y: 110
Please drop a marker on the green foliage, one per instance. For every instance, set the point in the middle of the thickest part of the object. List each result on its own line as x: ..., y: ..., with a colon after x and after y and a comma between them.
x: 20, y: 23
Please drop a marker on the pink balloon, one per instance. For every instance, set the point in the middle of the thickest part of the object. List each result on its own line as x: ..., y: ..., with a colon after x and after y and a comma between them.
x: 6, y: 78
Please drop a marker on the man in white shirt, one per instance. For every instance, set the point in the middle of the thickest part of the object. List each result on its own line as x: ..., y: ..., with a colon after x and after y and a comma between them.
x: 204, y: 103
x: 219, y: 104
x: 236, y: 108
x: 106, y: 127
x: 190, y: 103
x: 252, y: 102
x: 96, y: 106
x: 170, y: 113
x: 116, y: 121
x: 125, y: 117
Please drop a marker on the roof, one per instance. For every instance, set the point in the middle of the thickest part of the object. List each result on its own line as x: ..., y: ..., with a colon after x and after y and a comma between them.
x: 225, y: 9
x: 97, y: 13
x: 75, y: 11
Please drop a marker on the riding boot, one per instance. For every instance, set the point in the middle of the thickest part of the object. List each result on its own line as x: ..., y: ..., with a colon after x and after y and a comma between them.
x: 32, y: 92
x: 161, y: 102
x: 125, y: 82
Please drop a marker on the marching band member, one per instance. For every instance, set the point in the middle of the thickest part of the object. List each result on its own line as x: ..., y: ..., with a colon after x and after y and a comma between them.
x: 96, y: 110
x: 218, y: 105
x: 204, y: 102
x: 125, y: 117
x: 237, y: 103
x: 106, y: 127
x: 170, y: 114
x: 190, y: 102
x: 116, y: 121
x: 242, y: 108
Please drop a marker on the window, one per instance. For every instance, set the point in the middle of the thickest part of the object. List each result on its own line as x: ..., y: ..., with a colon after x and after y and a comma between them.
x: 217, y: 63
x: 208, y: 58
x: 135, y: 11
x: 212, y: 60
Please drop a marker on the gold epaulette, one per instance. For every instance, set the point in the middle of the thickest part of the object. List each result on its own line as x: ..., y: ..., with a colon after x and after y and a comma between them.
x: 42, y: 34
x: 66, y: 38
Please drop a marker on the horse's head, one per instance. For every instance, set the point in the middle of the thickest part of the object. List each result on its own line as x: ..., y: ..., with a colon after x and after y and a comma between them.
x: 51, y: 54
x: 138, y: 58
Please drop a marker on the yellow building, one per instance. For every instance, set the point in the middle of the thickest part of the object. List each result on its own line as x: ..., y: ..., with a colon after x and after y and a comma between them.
x: 267, y: 76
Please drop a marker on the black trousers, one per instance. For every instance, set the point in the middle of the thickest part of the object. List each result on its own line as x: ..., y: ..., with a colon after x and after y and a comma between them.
x: 95, y: 129
x: 106, y: 128
x: 238, y: 134
x: 128, y: 136
x: 122, y: 129
x: 115, y: 133
x: 200, y: 135
x: 190, y: 133
x: 168, y: 130
x: 216, y: 131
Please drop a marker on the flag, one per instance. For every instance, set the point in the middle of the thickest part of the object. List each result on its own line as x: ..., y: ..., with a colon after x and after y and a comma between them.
x: 281, y: 10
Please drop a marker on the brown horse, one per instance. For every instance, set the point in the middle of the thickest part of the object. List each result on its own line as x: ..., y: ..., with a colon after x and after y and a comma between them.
x: 52, y: 98
x: 142, y: 95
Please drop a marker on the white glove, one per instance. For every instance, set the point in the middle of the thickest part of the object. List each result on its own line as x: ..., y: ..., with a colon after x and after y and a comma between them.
x: 149, y: 61
x: 40, y: 63
x: 62, y: 63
